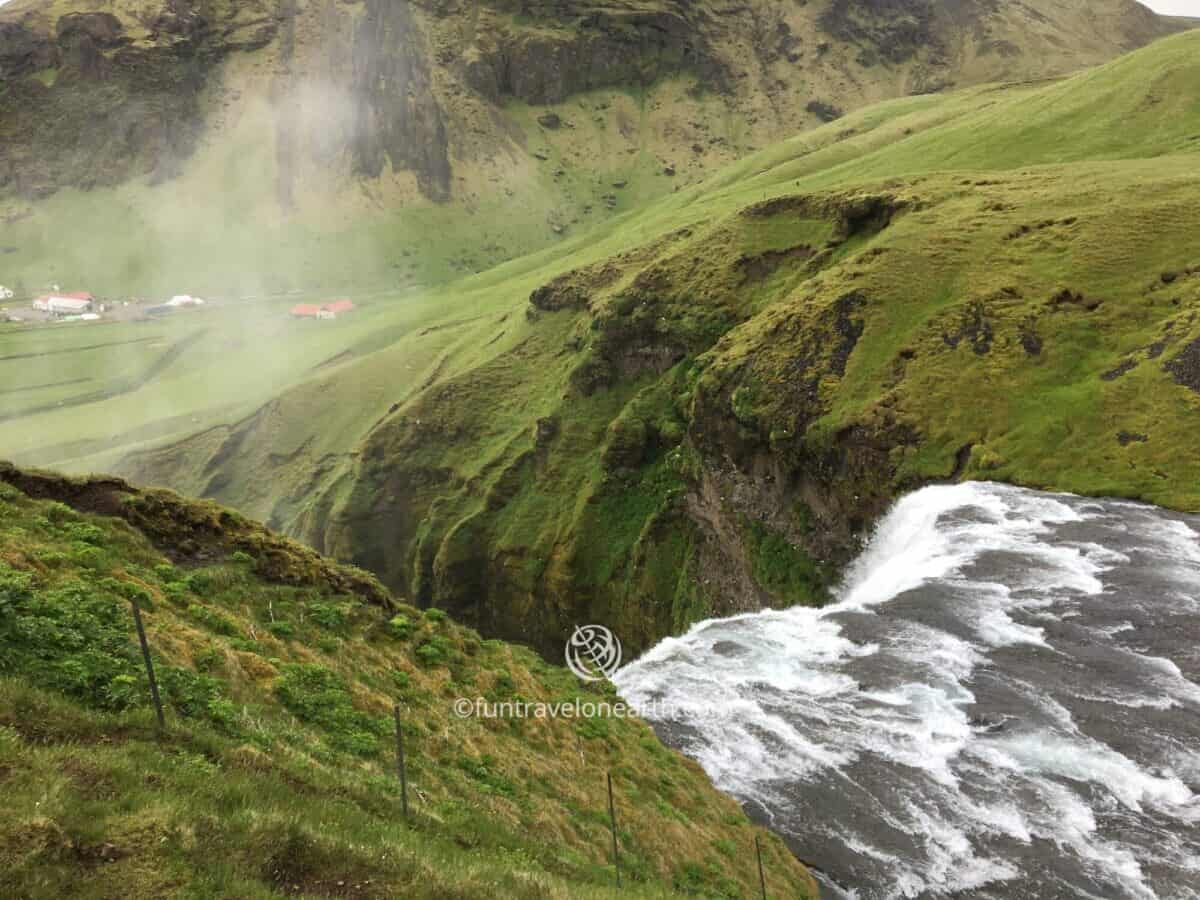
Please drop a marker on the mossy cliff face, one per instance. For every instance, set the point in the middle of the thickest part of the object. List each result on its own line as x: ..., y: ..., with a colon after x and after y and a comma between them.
x: 645, y: 493
x: 715, y: 421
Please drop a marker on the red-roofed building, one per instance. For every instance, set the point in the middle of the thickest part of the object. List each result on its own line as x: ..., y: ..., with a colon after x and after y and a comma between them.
x: 306, y: 311
x: 65, y: 304
x: 340, y: 306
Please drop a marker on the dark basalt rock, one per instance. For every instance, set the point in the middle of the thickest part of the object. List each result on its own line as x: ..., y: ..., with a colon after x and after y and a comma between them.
x: 23, y: 50
x: 600, y: 49
x: 891, y: 30
x: 1185, y: 367
x: 127, y: 109
x: 826, y: 112
x: 397, y: 117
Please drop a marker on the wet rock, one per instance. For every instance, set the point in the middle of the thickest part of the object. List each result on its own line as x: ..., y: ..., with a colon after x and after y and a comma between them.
x: 545, y: 431
x: 1121, y: 370
x: 1031, y: 341
x: 564, y: 292
x: 1185, y: 367
x: 24, y: 50
x: 988, y: 724
x: 826, y: 112
x: 392, y: 62
x: 1125, y: 438
x: 83, y: 39
x: 974, y: 327
x: 1068, y: 297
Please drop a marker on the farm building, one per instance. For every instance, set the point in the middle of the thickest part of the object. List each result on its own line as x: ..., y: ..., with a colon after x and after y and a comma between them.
x: 330, y: 310
x: 184, y: 300
x: 65, y: 304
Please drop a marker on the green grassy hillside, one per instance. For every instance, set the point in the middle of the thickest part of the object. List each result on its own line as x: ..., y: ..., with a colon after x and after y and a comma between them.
x: 275, y: 773
x: 700, y: 407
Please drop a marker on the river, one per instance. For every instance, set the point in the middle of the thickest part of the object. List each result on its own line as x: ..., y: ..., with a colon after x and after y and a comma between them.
x: 1003, y: 701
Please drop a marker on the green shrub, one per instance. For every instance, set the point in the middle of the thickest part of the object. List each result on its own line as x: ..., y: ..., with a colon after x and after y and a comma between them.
x: 484, y: 771
x: 503, y: 686
x: 58, y: 513
x: 84, y: 532
x: 328, y: 645
x: 71, y: 638
x: 316, y: 695
x: 327, y: 615
x: 123, y: 691
x: 283, y: 630
x: 433, y: 614
x: 52, y: 559
x: 400, y: 627
x: 595, y: 728
x: 201, y: 583
x: 211, y: 620
x: 207, y: 660
x: 177, y: 592
x: 15, y: 587
x: 434, y: 651
x: 188, y: 692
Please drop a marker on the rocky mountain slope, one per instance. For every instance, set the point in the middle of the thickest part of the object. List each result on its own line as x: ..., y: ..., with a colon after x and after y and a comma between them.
x: 256, y: 145
x: 275, y: 774
x: 703, y: 409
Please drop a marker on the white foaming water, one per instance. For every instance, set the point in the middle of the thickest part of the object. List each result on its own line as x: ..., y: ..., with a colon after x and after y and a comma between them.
x: 983, y: 705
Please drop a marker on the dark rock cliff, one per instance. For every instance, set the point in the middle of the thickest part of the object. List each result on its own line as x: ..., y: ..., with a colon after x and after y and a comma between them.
x: 397, y: 117
x: 86, y: 104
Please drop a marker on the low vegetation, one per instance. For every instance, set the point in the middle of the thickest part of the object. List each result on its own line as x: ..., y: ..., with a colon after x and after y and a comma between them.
x: 275, y: 775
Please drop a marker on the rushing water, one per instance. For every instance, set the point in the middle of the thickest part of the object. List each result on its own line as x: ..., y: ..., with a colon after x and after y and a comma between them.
x: 1003, y: 702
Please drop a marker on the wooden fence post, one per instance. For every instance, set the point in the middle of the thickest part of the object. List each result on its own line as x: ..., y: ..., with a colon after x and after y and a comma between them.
x: 762, y: 878
x: 400, y: 761
x: 612, y: 817
x: 141, y: 631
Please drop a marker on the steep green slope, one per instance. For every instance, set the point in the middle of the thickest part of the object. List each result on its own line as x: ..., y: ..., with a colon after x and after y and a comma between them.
x: 275, y: 775
x: 239, y: 146
x: 699, y: 409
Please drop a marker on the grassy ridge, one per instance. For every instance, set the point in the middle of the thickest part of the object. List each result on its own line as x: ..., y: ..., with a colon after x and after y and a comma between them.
x: 275, y: 775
